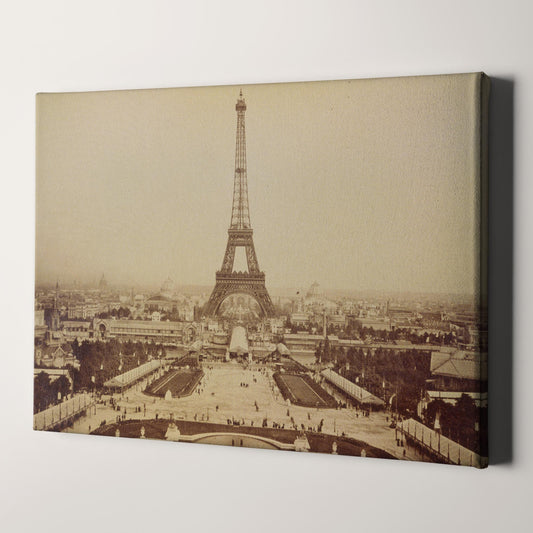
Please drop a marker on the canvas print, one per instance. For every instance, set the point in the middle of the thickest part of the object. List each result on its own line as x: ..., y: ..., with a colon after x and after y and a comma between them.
x: 295, y: 267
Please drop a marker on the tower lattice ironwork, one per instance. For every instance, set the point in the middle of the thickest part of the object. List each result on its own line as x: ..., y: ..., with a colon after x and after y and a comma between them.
x: 240, y: 234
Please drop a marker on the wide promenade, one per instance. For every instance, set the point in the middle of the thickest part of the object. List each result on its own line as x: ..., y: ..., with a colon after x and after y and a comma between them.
x: 228, y: 391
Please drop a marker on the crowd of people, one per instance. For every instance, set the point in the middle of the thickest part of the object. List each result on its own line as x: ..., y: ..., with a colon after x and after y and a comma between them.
x: 276, y: 413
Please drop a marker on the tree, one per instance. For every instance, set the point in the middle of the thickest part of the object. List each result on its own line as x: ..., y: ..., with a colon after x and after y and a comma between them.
x: 326, y: 352
x: 75, y: 347
x: 341, y: 357
x: 124, y: 312
x: 74, y: 374
x: 357, y: 325
x: 319, y: 352
x: 61, y: 385
x: 466, y: 415
x: 42, y: 394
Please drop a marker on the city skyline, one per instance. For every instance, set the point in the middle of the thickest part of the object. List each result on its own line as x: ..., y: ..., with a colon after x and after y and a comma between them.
x: 277, y: 292
x: 137, y: 184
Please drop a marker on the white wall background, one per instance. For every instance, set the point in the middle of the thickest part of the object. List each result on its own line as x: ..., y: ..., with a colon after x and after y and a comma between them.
x: 54, y: 482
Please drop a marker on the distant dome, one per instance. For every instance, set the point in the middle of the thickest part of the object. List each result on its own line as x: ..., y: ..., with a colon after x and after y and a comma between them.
x: 167, y: 289
x: 314, y: 291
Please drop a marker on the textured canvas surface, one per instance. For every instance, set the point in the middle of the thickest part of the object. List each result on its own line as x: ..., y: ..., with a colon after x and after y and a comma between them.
x: 288, y: 266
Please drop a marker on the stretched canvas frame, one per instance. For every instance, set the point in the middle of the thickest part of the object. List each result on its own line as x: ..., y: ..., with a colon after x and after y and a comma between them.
x: 288, y: 266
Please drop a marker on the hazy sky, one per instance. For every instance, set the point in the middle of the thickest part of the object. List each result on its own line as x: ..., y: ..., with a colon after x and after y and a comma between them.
x: 357, y: 185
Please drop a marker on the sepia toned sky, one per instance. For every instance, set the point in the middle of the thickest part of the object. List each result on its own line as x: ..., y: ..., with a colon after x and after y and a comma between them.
x: 358, y: 185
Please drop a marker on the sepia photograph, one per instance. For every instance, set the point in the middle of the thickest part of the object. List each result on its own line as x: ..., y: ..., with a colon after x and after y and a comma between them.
x: 290, y: 266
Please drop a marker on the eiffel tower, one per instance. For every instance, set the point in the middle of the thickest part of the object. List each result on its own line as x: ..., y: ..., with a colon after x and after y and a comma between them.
x: 240, y: 233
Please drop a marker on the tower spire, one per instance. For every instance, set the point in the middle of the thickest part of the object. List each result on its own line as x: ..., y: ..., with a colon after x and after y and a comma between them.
x: 240, y: 212
x: 56, y: 294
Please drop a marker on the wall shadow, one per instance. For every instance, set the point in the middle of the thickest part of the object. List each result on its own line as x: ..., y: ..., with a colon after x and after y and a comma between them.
x: 500, y: 271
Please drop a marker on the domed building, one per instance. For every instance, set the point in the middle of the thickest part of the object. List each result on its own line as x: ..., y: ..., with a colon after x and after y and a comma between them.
x: 316, y: 300
x: 168, y: 288
x: 160, y: 302
x: 315, y: 291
